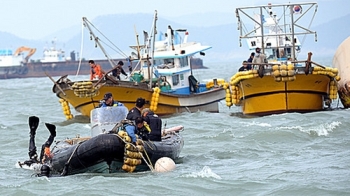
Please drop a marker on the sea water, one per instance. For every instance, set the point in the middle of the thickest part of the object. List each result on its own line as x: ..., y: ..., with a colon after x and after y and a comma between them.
x: 224, y: 153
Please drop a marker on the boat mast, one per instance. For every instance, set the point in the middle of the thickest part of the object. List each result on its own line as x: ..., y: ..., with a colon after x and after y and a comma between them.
x: 293, y: 39
x: 154, y: 32
x: 262, y: 31
x: 85, y: 22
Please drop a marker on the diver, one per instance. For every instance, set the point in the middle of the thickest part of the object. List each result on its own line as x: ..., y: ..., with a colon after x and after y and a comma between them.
x: 134, y: 129
x: 136, y: 111
x: 154, y: 122
x: 45, y: 154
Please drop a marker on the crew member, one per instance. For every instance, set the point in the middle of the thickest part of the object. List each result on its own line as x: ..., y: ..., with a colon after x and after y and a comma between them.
x: 259, y: 57
x: 96, y: 72
x: 108, y: 101
x: 245, y: 66
x: 136, y: 111
x: 119, y: 69
x: 155, y: 124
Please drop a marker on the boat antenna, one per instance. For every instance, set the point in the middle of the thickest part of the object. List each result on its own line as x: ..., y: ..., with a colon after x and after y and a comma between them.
x: 154, y: 40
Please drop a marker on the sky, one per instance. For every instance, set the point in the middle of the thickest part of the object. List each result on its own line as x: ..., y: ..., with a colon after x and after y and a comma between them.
x: 35, y: 19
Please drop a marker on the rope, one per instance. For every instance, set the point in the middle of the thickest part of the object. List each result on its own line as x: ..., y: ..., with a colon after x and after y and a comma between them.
x: 118, y: 49
x: 81, y: 48
x: 64, y: 172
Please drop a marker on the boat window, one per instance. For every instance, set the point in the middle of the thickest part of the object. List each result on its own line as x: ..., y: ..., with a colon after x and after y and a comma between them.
x: 183, y: 62
x: 269, y: 53
x: 168, y: 61
x: 175, y: 79
x: 181, y: 77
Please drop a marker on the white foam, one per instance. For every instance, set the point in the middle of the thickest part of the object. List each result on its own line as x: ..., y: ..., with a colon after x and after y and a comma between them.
x: 206, y: 172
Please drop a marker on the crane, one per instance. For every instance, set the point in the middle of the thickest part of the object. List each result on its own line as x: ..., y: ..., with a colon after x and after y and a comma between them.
x: 21, y: 49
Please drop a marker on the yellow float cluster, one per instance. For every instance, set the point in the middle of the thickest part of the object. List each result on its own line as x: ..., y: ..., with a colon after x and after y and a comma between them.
x: 333, y: 90
x: 85, y: 89
x: 211, y: 84
x: 155, y: 99
x: 66, y: 109
x: 132, y: 154
x: 284, y: 73
x: 232, y: 96
x: 243, y: 75
x: 329, y: 71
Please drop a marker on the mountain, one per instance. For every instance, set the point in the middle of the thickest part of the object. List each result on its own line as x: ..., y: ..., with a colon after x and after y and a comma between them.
x: 120, y: 30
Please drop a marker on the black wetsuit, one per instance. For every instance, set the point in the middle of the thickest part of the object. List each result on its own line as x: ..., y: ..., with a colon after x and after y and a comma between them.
x: 155, y: 124
x: 133, y: 114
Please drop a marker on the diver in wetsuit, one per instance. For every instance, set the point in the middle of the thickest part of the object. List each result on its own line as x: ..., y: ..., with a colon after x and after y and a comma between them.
x: 33, y: 156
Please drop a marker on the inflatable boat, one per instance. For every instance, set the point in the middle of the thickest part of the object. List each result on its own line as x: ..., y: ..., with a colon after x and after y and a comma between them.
x: 107, y: 151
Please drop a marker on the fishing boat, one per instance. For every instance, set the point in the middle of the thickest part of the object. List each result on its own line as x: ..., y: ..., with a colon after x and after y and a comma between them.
x: 163, y: 76
x: 341, y: 62
x: 108, y: 149
x: 281, y: 83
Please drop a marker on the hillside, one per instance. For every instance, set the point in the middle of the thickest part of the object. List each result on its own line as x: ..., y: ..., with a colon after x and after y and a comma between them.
x: 120, y: 29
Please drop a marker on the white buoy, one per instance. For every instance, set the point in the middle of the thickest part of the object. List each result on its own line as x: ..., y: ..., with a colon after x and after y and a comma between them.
x: 164, y: 164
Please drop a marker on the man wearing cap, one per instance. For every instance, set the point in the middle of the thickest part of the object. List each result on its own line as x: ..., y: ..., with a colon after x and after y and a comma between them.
x: 136, y: 111
x: 119, y: 69
x: 108, y: 101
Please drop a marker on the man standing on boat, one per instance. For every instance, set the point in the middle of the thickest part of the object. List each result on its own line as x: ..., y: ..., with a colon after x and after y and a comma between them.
x: 96, y: 72
x: 245, y: 66
x: 250, y: 59
x: 136, y: 111
x: 119, y: 69
x: 108, y: 101
x: 259, y: 57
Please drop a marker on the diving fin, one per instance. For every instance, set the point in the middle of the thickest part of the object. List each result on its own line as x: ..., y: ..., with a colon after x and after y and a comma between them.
x: 51, y: 128
x: 33, y: 124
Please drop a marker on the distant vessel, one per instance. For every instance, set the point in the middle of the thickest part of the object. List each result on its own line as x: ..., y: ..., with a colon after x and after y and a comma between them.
x: 14, y: 63
x: 54, y: 63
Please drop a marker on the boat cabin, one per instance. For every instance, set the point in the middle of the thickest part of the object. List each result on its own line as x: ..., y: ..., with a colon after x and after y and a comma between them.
x: 171, y: 64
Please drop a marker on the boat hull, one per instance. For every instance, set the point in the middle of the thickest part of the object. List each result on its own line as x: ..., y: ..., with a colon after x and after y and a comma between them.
x: 264, y: 96
x: 105, y: 154
x: 127, y: 92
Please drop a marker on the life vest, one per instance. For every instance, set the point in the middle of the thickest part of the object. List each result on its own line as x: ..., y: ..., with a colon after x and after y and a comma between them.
x: 96, y: 72
x: 155, y: 124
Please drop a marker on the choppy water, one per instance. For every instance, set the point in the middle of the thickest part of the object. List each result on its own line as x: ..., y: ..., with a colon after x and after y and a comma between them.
x: 224, y: 154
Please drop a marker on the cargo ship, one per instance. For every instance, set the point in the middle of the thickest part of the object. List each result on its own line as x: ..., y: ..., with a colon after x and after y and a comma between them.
x: 55, y: 63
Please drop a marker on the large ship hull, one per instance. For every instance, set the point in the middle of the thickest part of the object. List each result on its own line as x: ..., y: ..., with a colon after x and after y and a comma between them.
x: 39, y: 69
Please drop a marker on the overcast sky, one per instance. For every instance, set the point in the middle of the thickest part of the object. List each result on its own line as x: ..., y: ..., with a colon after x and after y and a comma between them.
x: 34, y: 19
